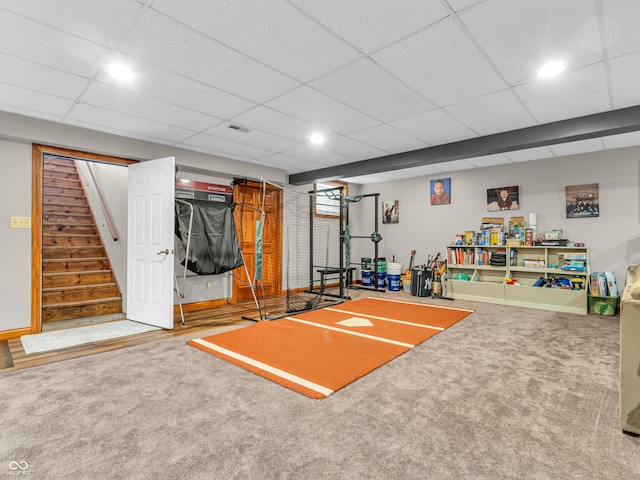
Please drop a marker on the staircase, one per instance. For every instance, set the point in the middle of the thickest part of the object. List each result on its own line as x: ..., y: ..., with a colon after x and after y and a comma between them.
x: 77, y: 280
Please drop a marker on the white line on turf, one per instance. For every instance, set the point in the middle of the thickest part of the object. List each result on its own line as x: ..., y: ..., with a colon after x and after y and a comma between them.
x: 440, y: 329
x: 349, y: 332
x: 421, y: 304
x: 267, y: 368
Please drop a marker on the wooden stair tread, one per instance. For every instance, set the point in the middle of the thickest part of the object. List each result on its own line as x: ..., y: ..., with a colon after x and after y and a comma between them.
x: 83, y: 272
x: 79, y: 195
x: 79, y: 287
x: 71, y: 247
x: 83, y: 302
x: 63, y: 205
x: 67, y: 224
x: 71, y: 235
x: 75, y: 259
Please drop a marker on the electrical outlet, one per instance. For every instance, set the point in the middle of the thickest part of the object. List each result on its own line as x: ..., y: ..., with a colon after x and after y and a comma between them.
x: 20, y: 222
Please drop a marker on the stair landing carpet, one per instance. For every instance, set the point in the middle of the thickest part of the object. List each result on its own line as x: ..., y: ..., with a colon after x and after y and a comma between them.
x: 319, y: 352
x: 44, y: 342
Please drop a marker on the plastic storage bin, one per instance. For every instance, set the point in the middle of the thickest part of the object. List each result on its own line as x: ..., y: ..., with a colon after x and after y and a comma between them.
x: 603, y: 305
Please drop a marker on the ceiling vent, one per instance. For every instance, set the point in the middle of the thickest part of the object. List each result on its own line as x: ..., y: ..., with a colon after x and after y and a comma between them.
x: 239, y: 128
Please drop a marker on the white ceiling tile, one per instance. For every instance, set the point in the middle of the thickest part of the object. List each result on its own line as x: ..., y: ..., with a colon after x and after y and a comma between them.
x: 367, y: 179
x: 370, y: 25
x: 326, y: 114
x: 117, y: 131
x: 388, y: 139
x: 426, y: 170
x: 439, y: 62
x: 352, y: 148
x: 29, y: 100
x: 398, y: 174
x: 253, y: 137
x: 162, y: 41
x: 521, y: 36
x: 573, y: 148
x: 32, y: 76
x: 100, y: 117
x: 274, y: 33
x: 103, y: 22
x: 488, y: 160
x: 528, y: 154
x: 573, y: 94
x: 226, y: 147
x: 368, y: 88
x: 625, y: 78
x: 454, y: 165
x: 276, y: 123
x: 621, y: 20
x: 290, y: 163
x: 458, y: 5
x: 48, y: 46
x: 623, y: 140
x: 319, y: 155
x: 130, y: 103
x: 435, y: 128
x: 30, y: 113
x: 493, y: 113
x: 171, y: 87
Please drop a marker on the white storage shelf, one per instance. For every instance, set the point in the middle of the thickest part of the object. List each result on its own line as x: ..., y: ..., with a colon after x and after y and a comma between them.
x: 487, y: 282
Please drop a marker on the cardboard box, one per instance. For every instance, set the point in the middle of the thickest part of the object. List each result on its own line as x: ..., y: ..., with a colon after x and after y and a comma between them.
x: 516, y: 221
x: 534, y: 263
x: 603, y: 305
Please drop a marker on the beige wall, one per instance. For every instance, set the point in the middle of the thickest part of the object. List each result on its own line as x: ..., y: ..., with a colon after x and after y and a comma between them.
x: 15, y: 244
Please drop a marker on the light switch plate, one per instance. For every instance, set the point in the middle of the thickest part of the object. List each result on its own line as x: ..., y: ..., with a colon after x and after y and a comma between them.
x: 20, y: 222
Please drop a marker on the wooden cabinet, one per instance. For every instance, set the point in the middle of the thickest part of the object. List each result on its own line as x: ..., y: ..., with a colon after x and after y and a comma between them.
x: 529, y: 265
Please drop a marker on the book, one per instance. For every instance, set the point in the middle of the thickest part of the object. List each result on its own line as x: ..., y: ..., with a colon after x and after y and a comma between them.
x: 602, y: 284
x: 594, y: 287
x: 611, y: 283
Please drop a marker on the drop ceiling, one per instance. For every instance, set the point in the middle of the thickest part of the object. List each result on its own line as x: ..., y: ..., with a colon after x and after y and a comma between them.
x: 379, y: 78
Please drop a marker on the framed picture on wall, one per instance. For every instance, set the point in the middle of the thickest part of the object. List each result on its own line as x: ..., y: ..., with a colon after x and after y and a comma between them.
x: 503, y: 198
x: 390, y: 211
x: 440, y: 191
x: 582, y: 201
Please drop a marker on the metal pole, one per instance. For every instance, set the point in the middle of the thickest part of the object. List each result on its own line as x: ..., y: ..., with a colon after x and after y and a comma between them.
x: 311, y: 201
x: 342, y: 235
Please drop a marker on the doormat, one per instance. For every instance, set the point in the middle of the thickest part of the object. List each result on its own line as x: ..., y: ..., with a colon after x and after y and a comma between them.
x: 44, y: 342
x: 319, y: 352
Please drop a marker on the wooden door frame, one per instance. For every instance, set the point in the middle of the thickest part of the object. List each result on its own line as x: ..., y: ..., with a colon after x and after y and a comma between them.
x: 37, y: 154
x: 278, y: 240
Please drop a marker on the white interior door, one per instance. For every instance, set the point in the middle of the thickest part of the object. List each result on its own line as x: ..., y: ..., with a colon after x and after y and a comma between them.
x: 150, y: 242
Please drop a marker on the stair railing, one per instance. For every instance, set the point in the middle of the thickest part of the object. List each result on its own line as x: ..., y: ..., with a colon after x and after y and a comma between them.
x: 105, y: 210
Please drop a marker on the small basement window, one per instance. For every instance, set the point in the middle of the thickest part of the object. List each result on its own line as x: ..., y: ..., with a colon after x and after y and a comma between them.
x: 327, y: 199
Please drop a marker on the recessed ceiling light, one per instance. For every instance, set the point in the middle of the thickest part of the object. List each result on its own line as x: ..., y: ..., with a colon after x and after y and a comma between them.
x: 551, y: 69
x: 316, y: 138
x: 120, y: 72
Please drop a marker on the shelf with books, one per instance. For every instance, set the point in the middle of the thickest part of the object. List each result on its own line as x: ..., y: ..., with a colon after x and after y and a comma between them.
x: 531, y: 266
x: 479, y: 255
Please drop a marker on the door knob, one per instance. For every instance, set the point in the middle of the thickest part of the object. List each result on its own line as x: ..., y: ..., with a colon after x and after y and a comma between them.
x: 165, y: 251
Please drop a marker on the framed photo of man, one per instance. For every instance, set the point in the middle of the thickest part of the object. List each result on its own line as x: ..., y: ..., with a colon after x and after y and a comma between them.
x: 390, y: 211
x: 503, y: 198
x: 440, y: 191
